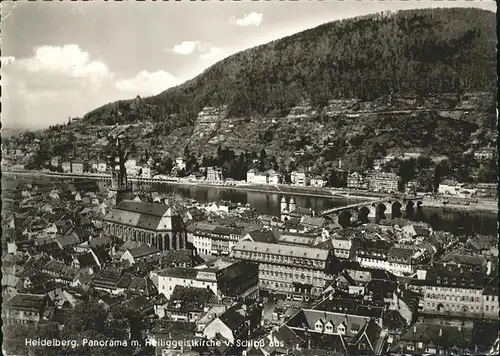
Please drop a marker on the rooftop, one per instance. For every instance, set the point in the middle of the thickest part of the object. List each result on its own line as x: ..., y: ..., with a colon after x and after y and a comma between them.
x: 143, y: 251
x: 26, y: 301
x: 282, y: 250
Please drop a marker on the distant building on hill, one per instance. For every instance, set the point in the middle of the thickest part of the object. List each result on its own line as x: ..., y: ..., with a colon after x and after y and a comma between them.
x: 487, y: 190
x: 318, y: 182
x: 214, y: 174
x: 383, y: 182
x: 485, y: 154
x: 66, y: 167
x: 79, y: 167
x: 299, y: 178
x: 356, y: 181
x: 269, y: 177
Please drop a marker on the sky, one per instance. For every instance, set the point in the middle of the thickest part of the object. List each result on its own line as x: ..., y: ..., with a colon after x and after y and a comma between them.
x: 64, y: 59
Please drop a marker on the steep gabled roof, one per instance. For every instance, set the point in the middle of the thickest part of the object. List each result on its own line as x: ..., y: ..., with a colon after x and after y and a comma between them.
x: 26, y: 301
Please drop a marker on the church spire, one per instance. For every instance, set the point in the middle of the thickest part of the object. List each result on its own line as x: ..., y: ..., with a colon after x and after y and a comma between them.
x: 119, y: 182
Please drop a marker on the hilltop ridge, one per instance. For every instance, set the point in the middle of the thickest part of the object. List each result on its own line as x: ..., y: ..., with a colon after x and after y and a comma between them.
x: 414, y: 52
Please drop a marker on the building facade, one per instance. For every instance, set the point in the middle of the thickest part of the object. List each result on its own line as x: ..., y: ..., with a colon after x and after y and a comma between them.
x: 299, y: 178
x: 273, y: 177
x: 66, y: 167
x: 292, y: 270
x: 487, y: 190
x: 356, y: 181
x: 318, y: 182
x: 79, y: 167
x: 24, y: 308
x: 214, y: 174
x: 452, y: 290
x: 485, y: 154
x: 214, y: 240
x: 383, y: 182
x: 225, y: 278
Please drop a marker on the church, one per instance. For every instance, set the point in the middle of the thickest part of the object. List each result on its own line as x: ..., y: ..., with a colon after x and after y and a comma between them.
x: 156, y: 225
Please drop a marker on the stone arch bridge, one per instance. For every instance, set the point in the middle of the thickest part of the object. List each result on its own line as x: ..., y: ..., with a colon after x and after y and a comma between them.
x: 375, y: 210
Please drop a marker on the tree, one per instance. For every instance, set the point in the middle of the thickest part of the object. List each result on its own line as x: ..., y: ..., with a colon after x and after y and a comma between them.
x: 192, y: 164
x: 407, y: 170
x: 488, y: 172
x: 263, y: 155
x: 168, y: 164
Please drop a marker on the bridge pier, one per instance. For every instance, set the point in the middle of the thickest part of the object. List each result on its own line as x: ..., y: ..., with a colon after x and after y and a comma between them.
x: 375, y: 210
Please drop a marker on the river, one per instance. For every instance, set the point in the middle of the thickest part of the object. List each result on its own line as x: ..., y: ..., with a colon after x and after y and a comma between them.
x: 457, y: 222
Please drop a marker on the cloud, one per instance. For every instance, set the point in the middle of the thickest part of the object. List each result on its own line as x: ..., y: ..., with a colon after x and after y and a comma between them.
x: 205, y: 50
x: 186, y: 47
x: 146, y: 83
x: 53, y: 83
x: 7, y: 60
x: 250, y: 19
x: 67, y: 61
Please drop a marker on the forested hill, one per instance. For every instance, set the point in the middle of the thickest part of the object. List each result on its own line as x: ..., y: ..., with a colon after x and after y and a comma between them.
x: 416, y: 52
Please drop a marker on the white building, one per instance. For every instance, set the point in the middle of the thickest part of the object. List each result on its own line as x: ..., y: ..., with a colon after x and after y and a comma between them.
x: 101, y: 167
x: 256, y: 177
x: 146, y: 172
x: 66, y: 167
x: 180, y: 163
x: 455, y: 189
x: 187, y: 277
x: 299, y: 178
x: 484, y: 154
x: 318, y: 182
x: 273, y: 177
x: 131, y: 167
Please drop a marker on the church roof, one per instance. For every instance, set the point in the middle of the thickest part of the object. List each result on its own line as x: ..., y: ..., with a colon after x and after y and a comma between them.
x: 145, y: 215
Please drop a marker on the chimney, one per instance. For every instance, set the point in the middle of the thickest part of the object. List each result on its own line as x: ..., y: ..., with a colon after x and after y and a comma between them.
x: 440, y: 332
x: 414, y: 329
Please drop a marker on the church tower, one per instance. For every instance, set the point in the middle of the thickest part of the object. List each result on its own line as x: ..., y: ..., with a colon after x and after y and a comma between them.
x: 283, y: 205
x: 120, y: 186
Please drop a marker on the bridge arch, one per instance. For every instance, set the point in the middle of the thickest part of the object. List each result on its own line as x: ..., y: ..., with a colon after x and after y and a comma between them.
x: 409, y: 210
x: 345, y: 218
x: 363, y: 214
x: 396, y: 210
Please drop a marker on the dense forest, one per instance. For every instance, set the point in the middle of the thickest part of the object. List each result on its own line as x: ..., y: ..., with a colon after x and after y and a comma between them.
x: 415, y: 52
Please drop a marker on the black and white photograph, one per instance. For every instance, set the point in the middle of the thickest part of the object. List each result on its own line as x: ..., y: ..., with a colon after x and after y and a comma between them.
x: 249, y: 178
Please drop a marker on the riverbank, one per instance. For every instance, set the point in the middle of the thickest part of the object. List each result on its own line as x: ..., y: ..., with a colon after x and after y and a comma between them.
x: 239, y: 186
x: 284, y: 189
x: 479, y: 205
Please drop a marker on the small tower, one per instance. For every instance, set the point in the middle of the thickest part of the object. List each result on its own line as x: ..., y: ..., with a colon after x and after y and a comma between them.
x: 292, y: 206
x: 283, y: 205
